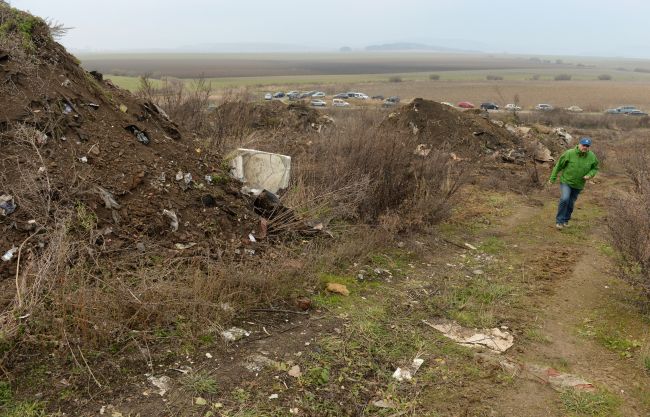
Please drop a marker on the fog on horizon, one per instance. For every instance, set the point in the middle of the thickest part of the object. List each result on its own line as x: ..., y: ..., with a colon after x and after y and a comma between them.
x: 552, y: 27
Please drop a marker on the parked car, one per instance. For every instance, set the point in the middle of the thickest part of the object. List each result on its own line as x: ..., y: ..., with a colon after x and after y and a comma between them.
x: 377, y: 97
x: 293, y: 95
x: 337, y: 102
x: 359, y: 96
x: 391, y: 101
x: 465, y: 105
x: 544, y: 107
x: 446, y: 103
x: 278, y: 95
x: 636, y: 113
x: 268, y: 96
x: 622, y: 110
x: 341, y: 95
x: 574, y: 109
x: 318, y: 94
x: 318, y: 103
x: 512, y: 107
x: 489, y: 106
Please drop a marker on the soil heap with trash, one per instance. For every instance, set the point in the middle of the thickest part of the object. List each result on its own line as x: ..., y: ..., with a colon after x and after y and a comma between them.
x: 77, y: 150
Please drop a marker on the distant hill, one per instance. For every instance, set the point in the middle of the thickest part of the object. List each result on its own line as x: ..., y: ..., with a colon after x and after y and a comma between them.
x: 412, y: 46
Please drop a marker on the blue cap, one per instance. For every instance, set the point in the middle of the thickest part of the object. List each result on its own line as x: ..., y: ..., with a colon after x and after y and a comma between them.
x: 585, y: 141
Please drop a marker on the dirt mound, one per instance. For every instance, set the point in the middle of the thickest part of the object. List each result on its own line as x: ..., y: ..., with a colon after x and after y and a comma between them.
x: 468, y: 135
x: 273, y: 115
x: 77, y: 145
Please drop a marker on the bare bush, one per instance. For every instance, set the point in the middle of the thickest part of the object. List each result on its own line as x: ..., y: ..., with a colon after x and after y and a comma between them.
x: 493, y: 77
x: 434, y: 77
x: 605, y: 77
x: 395, y: 79
x: 184, y: 105
x: 629, y: 221
x: 562, y: 77
x: 384, y: 169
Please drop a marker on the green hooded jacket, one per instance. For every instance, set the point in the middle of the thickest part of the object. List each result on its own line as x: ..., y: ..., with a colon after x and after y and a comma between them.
x: 574, y: 166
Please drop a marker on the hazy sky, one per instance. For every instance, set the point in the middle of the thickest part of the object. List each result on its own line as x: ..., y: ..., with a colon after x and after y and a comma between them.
x: 567, y: 27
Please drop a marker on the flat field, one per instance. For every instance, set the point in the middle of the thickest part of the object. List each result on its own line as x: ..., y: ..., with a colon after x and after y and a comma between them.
x: 408, y: 75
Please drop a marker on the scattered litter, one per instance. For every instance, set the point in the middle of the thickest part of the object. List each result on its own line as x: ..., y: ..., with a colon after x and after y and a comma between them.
x: 66, y: 83
x: 139, y: 134
x: 273, y: 397
x: 422, y: 150
x: 256, y: 363
x: 294, y: 410
x: 109, y: 200
x: 173, y: 219
x: 162, y: 383
x: 200, y: 401
x: 7, y: 205
x: 123, y: 108
x: 179, y: 176
x: 384, y: 404
x: 494, y: 339
x: 208, y: 355
x: 234, y: 333
x: 67, y: 109
x: 187, y: 178
x: 470, y: 246
x: 183, y: 246
x: 338, y: 288
x: 83, y: 160
x: 408, y: 373
x: 9, y: 254
x: 251, y: 237
x: 478, y: 272
x: 295, y: 372
x: 92, y: 105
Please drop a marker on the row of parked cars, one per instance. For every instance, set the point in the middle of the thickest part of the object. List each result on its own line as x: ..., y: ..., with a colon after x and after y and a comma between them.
x: 625, y: 110
x: 338, y: 100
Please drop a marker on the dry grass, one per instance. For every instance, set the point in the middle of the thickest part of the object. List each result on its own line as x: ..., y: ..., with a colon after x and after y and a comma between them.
x: 629, y: 221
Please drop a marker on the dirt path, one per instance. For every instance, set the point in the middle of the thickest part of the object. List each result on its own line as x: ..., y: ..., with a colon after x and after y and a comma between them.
x: 569, y: 303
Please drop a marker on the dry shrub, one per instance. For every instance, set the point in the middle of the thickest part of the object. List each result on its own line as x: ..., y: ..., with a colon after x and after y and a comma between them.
x: 375, y: 171
x: 629, y: 220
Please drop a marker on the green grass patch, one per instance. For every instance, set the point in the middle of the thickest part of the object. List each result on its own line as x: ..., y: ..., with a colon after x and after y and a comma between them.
x: 587, y: 404
x: 200, y: 383
x: 493, y: 245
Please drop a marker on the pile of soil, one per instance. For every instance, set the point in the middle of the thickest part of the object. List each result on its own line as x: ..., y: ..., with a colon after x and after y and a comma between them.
x: 88, y: 146
x: 468, y: 135
x: 272, y: 115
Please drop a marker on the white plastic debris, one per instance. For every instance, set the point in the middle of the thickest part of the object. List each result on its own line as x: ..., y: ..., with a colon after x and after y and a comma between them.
x: 109, y: 200
x: 179, y: 175
x: 408, y: 373
x: 494, y: 339
x: 208, y: 355
x: 251, y: 237
x: 200, y: 401
x: 162, y: 383
x: 9, y: 254
x: 273, y: 397
x: 173, y: 219
x: 187, y: 178
x: 183, y: 246
x: 261, y: 170
x: 7, y: 205
x: 83, y: 160
x: 234, y: 333
x: 472, y: 247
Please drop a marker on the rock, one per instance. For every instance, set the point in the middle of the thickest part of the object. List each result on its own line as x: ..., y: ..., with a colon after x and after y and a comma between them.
x: 338, y: 289
x: 408, y: 373
x: 162, y: 383
x: 494, y: 339
x: 384, y: 404
x: 295, y: 372
x: 478, y: 272
x: 234, y: 333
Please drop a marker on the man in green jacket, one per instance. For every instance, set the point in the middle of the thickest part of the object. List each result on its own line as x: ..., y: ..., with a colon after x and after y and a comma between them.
x: 577, y: 166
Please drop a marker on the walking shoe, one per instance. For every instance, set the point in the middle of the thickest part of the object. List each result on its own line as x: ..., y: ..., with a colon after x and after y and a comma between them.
x: 559, y: 226
x: 565, y: 225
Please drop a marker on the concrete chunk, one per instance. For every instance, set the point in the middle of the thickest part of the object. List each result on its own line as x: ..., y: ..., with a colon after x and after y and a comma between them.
x: 261, y: 170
